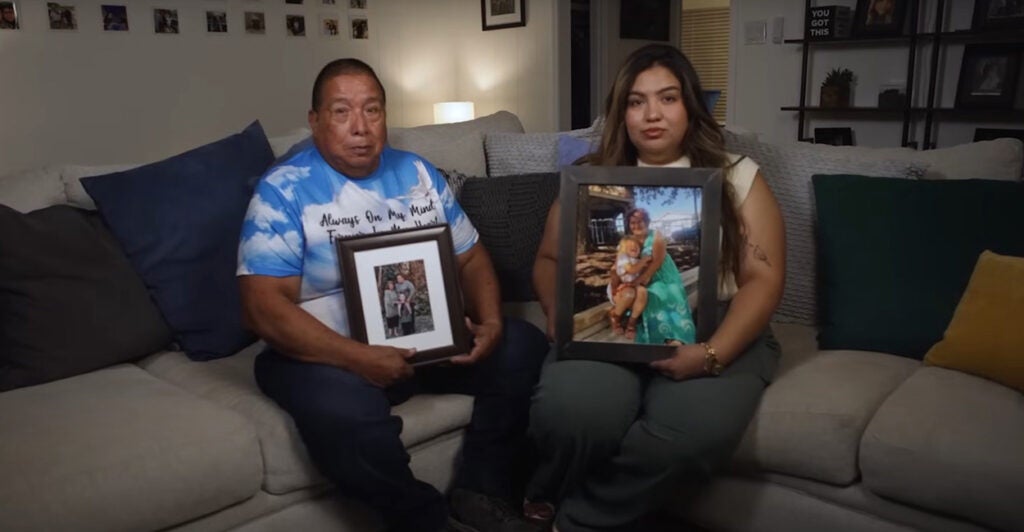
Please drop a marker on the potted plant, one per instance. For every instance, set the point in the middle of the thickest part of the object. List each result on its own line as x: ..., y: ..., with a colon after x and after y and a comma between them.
x: 835, y: 90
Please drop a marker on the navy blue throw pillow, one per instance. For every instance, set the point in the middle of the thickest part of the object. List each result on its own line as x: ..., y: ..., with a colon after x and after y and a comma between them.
x: 178, y: 222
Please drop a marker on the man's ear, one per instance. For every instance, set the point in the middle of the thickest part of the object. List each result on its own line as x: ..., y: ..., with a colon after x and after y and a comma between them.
x: 311, y: 119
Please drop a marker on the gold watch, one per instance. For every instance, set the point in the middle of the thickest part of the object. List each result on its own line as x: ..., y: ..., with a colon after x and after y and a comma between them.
x: 711, y: 364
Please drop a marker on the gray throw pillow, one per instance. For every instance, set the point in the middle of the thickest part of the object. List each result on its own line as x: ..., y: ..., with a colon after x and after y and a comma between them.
x: 788, y: 169
x: 70, y: 302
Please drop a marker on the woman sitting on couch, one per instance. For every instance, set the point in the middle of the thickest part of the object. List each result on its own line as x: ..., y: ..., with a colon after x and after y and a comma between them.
x: 615, y: 439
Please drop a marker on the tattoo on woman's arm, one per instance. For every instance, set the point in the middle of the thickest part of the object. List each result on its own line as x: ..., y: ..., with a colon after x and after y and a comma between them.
x: 759, y: 253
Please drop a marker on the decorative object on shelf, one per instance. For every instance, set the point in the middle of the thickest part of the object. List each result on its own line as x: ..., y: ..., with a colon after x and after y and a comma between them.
x: 645, y: 19
x: 834, y: 136
x: 498, y: 14
x: 998, y: 14
x: 836, y: 89
x: 892, y: 96
x: 988, y: 76
x: 8, y: 16
x: 828, y: 22
x: 985, y: 133
x: 879, y: 18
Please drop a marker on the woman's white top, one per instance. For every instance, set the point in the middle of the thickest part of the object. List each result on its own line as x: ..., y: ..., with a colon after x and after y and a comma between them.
x: 741, y: 177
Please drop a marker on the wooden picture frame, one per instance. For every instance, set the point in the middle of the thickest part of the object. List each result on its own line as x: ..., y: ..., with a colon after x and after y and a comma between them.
x: 424, y: 258
x: 595, y: 200
x: 997, y: 15
x: 499, y: 14
x: 988, y: 76
x: 879, y: 18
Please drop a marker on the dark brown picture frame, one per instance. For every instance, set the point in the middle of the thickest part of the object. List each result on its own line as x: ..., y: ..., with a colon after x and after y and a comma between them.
x: 574, y: 197
x: 496, y: 21
x: 866, y: 25
x: 358, y: 256
x: 973, y: 91
x: 988, y: 17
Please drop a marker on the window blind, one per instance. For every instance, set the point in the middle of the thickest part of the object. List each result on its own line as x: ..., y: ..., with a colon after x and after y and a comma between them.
x: 705, y: 41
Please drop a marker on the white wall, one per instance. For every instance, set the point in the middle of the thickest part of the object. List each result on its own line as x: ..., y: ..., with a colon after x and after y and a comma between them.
x: 765, y: 77
x: 95, y: 97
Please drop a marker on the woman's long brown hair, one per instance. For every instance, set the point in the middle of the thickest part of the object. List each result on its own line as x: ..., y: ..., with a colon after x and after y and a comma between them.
x: 703, y: 143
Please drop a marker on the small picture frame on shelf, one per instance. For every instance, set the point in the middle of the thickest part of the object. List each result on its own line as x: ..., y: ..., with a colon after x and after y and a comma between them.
x: 879, y: 18
x: 988, y: 76
x: 997, y: 15
x: 834, y: 136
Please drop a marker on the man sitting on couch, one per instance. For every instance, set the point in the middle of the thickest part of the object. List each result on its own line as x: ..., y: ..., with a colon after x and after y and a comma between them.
x: 339, y: 391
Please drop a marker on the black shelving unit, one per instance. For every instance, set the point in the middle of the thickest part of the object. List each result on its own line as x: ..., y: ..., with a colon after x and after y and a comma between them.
x: 908, y: 114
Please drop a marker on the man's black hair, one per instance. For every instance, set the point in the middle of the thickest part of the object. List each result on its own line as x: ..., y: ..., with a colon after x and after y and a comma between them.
x: 338, y: 67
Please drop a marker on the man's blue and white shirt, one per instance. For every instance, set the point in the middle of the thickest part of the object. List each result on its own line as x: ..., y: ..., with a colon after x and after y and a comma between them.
x: 302, y: 205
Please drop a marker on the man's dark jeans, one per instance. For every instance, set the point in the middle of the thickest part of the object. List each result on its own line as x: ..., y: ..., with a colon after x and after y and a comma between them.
x: 352, y: 437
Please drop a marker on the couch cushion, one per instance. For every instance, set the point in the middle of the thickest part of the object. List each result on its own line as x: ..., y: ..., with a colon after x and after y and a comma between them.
x: 788, y: 169
x: 1000, y: 159
x: 457, y: 146
x: 532, y: 153
x: 230, y: 382
x: 811, y: 418
x: 283, y: 144
x: 952, y: 443
x: 35, y: 189
x: 118, y: 449
x: 985, y: 337
x: 71, y: 176
x: 892, y: 274
x: 69, y: 300
x: 178, y: 221
x: 509, y: 212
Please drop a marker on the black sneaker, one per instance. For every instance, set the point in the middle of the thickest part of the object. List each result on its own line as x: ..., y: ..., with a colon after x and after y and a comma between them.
x: 482, y: 513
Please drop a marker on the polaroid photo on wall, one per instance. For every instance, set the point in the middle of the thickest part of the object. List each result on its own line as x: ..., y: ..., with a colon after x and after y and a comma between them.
x: 357, y: 4
x: 295, y: 25
x: 115, y: 17
x: 216, y: 22
x: 9, y: 16
x: 255, y: 23
x: 638, y: 261
x: 330, y: 26
x: 62, y: 16
x: 165, y: 21
x: 360, y: 27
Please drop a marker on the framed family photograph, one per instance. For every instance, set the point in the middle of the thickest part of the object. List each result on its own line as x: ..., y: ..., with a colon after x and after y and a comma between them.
x: 402, y: 290
x: 8, y: 16
x: 988, y: 76
x: 638, y: 263
x: 879, y: 18
x: 998, y: 15
x: 498, y: 14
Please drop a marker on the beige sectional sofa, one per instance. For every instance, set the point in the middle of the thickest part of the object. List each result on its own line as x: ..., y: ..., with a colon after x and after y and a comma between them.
x: 843, y: 440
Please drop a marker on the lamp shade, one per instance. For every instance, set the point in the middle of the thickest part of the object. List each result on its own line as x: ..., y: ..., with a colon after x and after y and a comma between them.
x: 447, y: 112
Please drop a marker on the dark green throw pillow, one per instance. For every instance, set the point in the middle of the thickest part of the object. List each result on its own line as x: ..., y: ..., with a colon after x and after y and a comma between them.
x: 69, y: 300
x: 895, y: 255
x: 509, y: 212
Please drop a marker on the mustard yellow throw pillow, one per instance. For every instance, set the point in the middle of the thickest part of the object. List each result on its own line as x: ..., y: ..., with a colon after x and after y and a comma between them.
x: 986, y: 336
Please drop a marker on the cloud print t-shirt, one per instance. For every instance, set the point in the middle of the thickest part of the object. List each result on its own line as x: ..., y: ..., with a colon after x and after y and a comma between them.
x: 302, y: 205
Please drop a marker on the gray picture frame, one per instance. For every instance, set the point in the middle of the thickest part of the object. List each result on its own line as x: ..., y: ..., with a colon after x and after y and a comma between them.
x: 576, y: 182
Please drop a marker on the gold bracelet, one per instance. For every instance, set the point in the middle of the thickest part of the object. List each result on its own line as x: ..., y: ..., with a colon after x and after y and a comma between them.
x: 711, y: 364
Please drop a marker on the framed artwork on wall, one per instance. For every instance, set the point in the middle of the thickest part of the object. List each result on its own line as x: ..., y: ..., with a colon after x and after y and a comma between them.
x: 998, y: 15
x: 165, y: 21
x: 988, y: 76
x: 879, y: 18
x: 115, y: 17
x: 498, y: 14
x: 402, y: 290
x: 62, y: 17
x: 638, y: 263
